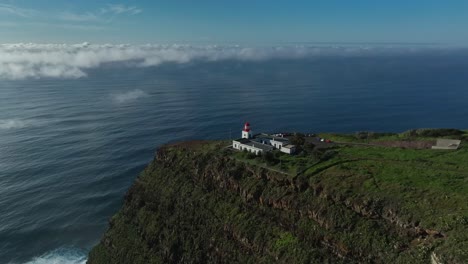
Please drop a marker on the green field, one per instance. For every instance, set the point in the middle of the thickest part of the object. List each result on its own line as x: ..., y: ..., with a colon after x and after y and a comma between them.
x: 428, y: 188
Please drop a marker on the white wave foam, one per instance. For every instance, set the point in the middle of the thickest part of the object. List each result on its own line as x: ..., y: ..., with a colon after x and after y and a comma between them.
x: 128, y: 96
x: 61, y: 256
x: 20, y: 61
x: 12, y: 124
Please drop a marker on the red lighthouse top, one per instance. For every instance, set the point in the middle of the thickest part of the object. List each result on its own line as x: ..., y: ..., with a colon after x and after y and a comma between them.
x: 247, y: 127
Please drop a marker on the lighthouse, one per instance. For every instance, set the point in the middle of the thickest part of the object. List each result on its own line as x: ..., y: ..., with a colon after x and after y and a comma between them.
x: 246, y: 132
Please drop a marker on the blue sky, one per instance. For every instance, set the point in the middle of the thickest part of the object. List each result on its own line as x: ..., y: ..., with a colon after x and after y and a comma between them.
x: 153, y: 21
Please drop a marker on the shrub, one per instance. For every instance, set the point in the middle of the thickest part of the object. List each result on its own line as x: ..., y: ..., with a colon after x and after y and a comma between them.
x: 364, y: 135
x: 251, y: 155
x: 298, y: 139
x: 277, y: 154
x: 317, y: 153
x: 286, y: 241
x: 270, y: 159
x: 309, y: 147
x: 329, y: 154
x: 438, y: 132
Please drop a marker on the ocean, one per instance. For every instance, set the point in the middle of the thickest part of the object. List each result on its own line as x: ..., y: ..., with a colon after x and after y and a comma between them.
x: 71, y: 147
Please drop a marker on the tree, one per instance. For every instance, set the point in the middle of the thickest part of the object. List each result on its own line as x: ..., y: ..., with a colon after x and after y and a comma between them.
x: 251, y: 155
x: 309, y: 147
x: 362, y: 135
x: 270, y: 158
x: 298, y: 139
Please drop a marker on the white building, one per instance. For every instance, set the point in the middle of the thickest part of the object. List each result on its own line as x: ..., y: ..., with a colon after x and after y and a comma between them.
x: 447, y: 144
x: 279, y: 143
x: 288, y: 149
x: 263, y: 143
x: 250, y: 146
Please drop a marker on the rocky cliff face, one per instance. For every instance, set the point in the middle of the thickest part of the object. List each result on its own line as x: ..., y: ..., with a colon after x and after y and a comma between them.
x: 197, y: 204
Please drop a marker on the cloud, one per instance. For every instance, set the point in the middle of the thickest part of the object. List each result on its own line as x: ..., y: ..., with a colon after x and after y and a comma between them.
x: 17, y: 11
x: 77, y: 27
x: 128, y: 96
x: 21, y: 61
x: 12, y: 124
x: 86, y: 17
x: 121, y: 9
x: 103, y: 15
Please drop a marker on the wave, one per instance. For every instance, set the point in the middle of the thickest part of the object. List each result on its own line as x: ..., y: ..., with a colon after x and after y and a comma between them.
x: 12, y: 124
x: 61, y: 256
x: 128, y: 96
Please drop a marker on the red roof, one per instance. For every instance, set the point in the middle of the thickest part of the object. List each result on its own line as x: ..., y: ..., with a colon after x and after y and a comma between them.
x: 247, y: 127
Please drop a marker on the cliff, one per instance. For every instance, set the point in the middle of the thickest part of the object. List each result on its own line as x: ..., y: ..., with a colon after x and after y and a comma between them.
x: 199, y: 202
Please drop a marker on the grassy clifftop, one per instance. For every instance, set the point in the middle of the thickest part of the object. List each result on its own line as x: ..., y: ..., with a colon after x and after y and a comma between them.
x: 200, y: 203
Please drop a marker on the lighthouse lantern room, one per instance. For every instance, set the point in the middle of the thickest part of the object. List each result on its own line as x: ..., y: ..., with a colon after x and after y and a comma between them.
x: 246, y: 132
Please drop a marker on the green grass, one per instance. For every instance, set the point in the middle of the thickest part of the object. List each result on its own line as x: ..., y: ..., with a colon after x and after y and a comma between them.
x: 204, y: 203
x: 284, y: 163
x: 286, y: 241
x: 425, y: 186
x: 415, y: 135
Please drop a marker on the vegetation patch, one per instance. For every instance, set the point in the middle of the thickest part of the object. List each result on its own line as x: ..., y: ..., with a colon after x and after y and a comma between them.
x: 203, y: 203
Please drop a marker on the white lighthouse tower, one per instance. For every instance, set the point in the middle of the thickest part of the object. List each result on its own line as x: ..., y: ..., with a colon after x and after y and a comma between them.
x: 246, y: 132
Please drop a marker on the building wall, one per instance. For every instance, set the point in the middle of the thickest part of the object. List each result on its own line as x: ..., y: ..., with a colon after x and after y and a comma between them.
x: 241, y: 147
x: 288, y: 150
x: 246, y: 134
x: 277, y: 144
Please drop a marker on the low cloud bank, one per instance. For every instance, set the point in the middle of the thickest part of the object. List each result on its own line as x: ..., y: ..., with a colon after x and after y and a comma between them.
x: 22, y: 61
x: 128, y: 96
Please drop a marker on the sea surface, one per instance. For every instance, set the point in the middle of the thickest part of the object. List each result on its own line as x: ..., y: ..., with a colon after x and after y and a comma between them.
x: 69, y: 149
